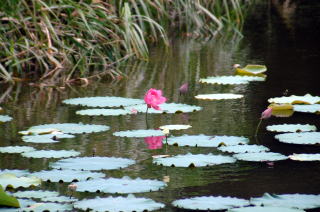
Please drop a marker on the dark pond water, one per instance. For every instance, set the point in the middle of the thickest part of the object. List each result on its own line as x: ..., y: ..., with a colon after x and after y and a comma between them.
x: 284, y: 39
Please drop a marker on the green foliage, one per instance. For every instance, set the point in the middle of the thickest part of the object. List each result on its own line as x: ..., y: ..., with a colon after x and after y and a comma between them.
x: 6, y: 200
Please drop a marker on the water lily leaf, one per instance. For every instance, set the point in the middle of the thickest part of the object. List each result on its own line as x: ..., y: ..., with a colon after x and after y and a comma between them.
x: 103, y: 112
x: 219, y: 96
x: 10, y: 180
x: 51, y: 154
x: 23, y: 203
x: 6, y: 200
x: 47, y: 206
x: 166, y: 108
x: 301, y: 201
x: 73, y: 128
x: 103, y: 101
x: 291, y: 128
x: 315, y: 108
x: 207, y: 141
x: 16, y: 149
x: 306, y: 99
x: 40, y: 131
x: 5, y: 118
x: 252, y: 70
x: 260, y: 156
x: 67, y: 175
x: 122, y: 186
x: 60, y: 199
x: 231, y: 80
x: 281, y: 107
x: 299, y: 138
x: 190, y: 160
x: 115, y: 204
x: 37, y: 194
x: 264, y: 209
x: 282, y: 113
x: 92, y: 163
x: 175, y: 127
x: 138, y: 133
x: 210, y: 203
x: 16, y: 172
x: 47, y: 138
x: 244, y: 148
x: 305, y: 157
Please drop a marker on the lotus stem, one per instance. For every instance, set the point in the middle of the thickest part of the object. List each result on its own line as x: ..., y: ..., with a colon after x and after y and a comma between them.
x: 147, y: 117
x: 258, y: 128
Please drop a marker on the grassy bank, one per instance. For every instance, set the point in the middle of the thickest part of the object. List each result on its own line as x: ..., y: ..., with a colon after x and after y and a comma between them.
x: 65, y: 40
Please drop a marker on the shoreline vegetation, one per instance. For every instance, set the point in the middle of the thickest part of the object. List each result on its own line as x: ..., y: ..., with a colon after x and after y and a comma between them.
x: 66, y: 41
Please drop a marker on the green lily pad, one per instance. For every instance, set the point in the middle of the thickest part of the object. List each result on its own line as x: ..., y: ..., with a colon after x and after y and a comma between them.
x: 5, y: 118
x: 219, y: 96
x: 138, y: 133
x: 16, y: 149
x: 23, y: 203
x: 315, y: 108
x: 51, y: 154
x: 115, y: 204
x: 47, y: 138
x: 264, y: 209
x: 190, y: 160
x: 231, y: 80
x: 103, y: 101
x: 252, y: 70
x: 260, y: 156
x: 60, y: 199
x: 47, y: 206
x: 299, y: 138
x: 16, y: 172
x: 10, y: 180
x: 244, y: 148
x: 73, y: 128
x: 120, y: 185
x: 207, y: 141
x: 175, y: 127
x: 301, y: 201
x: 305, y: 157
x: 103, y: 112
x: 166, y: 108
x: 7, y: 201
x: 306, y: 99
x: 67, y: 175
x: 36, y: 194
x: 92, y: 163
x: 210, y: 203
x: 291, y: 128
x: 41, y: 131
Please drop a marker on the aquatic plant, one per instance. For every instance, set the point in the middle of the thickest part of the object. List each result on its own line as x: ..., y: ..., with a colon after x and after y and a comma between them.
x: 267, y: 113
x: 153, y: 98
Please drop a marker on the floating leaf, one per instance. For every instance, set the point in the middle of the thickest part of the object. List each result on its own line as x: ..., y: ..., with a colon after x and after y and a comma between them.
x: 16, y: 149
x: 103, y: 112
x: 60, y: 199
x: 38, y: 194
x: 206, y: 141
x: 219, y: 96
x: 73, y: 128
x: 260, y: 156
x: 47, y: 206
x: 92, y: 163
x: 281, y: 107
x: 243, y: 148
x: 252, y: 70
x: 16, y: 172
x: 265, y: 209
x: 122, y: 186
x: 190, y: 160
x: 315, y: 108
x: 67, y: 175
x: 51, y: 154
x: 305, y: 157
x: 291, y: 128
x: 115, y: 204
x: 231, y: 80
x: 138, y: 133
x: 175, y: 127
x: 299, y: 138
x: 282, y: 113
x: 306, y: 99
x: 41, y: 131
x: 301, y: 201
x: 10, y: 180
x: 23, y: 203
x: 5, y: 118
x: 166, y: 108
x: 47, y: 138
x: 210, y: 203
x: 103, y: 101
x: 6, y: 200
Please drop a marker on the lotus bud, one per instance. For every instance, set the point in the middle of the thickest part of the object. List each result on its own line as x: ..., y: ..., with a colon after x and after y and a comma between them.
x: 184, y: 88
x: 266, y: 114
x: 166, y: 131
x: 236, y: 66
x: 72, y: 187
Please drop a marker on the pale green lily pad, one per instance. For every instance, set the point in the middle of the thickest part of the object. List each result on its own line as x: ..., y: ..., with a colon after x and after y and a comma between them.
x: 51, y: 154
x: 255, y: 69
x: 210, y: 203
x: 92, y: 163
x: 166, y: 108
x: 306, y: 99
x: 16, y: 149
x: 47, y: 138
x: 5, y: 118
x: 291, y: 128
x: 41, y: 131
x: 10, y: 180
x: 299, y: 138
x: 219, y: 96
x: 301, y: 201
x: 116, y: 204
x: 244, y: 148
x: 264, y: 209
x: 207, y: 141
x: 138, y: 133
x: 123, y: 185
x: 231, y: 80
x: 67, y: 175
x: 73, y: 128
x: 37, y: 194
x: 103, y: 101
x: 305, y: 157
x: 260, y: 156
x: 23, y: 203
x: 314, y: 108
x: 60, y: 199
x: 103, y: 112
x: 175, y: 127
x: 47, y: 206
x: 16, y: 172
x: 190, y: 160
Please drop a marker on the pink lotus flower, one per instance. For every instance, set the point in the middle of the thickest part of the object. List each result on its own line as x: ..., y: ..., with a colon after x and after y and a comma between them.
x: 184, y: 88
x: 154, y: 142
x: 266, y: 114
x: 153, y: 98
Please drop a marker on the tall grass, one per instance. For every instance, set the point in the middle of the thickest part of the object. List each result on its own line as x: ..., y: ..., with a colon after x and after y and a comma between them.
x: 62, y: 40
